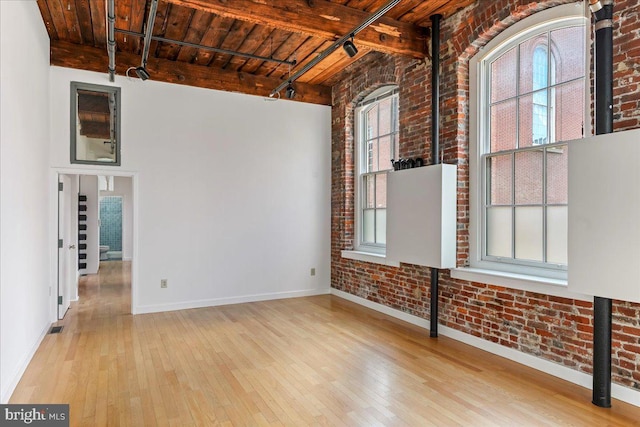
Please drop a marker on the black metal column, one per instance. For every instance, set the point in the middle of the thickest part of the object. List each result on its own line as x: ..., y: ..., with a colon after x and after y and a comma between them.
x: 435, y: 150
x: 603, y: 12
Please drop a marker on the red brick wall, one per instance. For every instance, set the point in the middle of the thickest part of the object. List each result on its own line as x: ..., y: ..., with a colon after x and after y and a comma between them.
x: 555, y: 329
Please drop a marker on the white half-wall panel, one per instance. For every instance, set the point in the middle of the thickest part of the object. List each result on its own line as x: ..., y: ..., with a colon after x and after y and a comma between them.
x: 232, y: 194
x: 604, y: 216
x: 421, y: 216
x: 25, y: 307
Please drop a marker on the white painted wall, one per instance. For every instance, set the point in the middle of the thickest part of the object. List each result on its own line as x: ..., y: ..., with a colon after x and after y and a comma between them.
x: 89, y: 188
x: 232, y: 193
x: 25, y: 278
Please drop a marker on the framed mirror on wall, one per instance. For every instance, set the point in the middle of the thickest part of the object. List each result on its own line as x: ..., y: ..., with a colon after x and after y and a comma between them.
x: 95, y: 124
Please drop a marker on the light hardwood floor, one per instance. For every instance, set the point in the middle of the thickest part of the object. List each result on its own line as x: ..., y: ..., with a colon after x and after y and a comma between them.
x: 298, y: 362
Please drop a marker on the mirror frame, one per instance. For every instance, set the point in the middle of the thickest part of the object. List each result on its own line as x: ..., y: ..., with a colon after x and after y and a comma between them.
x: 75, y: 86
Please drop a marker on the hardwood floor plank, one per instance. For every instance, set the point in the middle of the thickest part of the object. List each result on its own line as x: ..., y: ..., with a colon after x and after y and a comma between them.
x: 295, y: 362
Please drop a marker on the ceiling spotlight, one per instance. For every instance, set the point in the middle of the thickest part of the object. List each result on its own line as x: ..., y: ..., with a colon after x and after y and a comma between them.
x: 350, y: 48
x: 291, y: 92
x: 142, y: 73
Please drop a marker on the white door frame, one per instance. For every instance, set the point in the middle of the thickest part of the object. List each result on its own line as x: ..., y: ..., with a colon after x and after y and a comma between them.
x: 65, y: 251
x: 53, y: 227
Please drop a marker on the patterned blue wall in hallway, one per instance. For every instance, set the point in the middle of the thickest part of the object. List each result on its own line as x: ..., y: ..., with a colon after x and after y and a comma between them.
x: 111, y: 222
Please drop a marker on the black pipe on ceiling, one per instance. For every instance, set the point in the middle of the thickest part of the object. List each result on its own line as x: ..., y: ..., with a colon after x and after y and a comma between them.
x: 602, y: 307
x: 435, y: 151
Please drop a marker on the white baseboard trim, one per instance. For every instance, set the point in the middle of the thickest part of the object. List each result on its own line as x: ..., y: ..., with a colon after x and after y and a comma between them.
x: 185, y: 305
x: 22, y: 366
x: 619, y: 392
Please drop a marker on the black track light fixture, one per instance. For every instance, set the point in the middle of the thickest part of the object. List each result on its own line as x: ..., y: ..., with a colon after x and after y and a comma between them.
x: 291, y: 91
x: 350, y: 48
x: 142, y: 73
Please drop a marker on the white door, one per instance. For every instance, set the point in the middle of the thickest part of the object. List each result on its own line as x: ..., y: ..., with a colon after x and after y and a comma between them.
x: 65, y: 248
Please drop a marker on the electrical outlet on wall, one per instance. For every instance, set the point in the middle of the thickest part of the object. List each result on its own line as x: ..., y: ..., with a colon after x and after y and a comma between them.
x: 313, y: 271
x: 163, y: 283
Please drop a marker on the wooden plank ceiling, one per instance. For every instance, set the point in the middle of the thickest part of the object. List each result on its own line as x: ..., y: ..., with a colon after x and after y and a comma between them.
x: 287, y: 30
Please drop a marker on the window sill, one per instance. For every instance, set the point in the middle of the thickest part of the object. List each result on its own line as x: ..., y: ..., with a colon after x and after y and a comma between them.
x: 542, y: 285
x: 369, y: 257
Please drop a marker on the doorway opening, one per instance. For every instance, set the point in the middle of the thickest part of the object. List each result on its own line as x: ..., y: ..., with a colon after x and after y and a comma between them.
x: 91, y: 216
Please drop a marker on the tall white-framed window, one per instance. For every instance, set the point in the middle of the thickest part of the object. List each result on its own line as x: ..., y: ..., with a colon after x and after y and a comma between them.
x: 377, y: 143
x: 528, y: 92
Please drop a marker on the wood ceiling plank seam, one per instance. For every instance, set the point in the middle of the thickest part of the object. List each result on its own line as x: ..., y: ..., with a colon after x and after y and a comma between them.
x: 232, y: 41
x: 71, y: 19
x: 179, y: 22
x: 99, y: 23
x: 275, y: 39
x: 195, y: 34
x: 123, y: 20
x: 136, y: 23
x: 48, y: 19
x: 252, y: 44
x: 214, y: 37
x: 123, y: 17
x: 59, y: 20
x: 286, y: 50
x: 160, y: 26
x: 308, y: 51
x: 336, y: 68
x: 425, y: 9
x: 240, y: 48
x: 83, y: 13
x: 327, y: 64
x: 402, y: 9
x: 366, y: 5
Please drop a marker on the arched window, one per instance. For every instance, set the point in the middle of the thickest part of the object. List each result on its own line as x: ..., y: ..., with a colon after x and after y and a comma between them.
x: 530, y: 88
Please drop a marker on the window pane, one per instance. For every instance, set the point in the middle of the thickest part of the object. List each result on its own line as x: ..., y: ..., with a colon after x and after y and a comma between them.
x: 381, y: 190
x: 371, y: 121
x: 557, y: 234
x: 500, y: 180
x: 527, y: 66
x: 569, y: 114
x: 529, y: 233
x: 557, y: 175
x: 368, y: 193
x: 373, y: 155
x: 381, y: 226
x: 368, y: 226
x: 499, y: 232
x: 503, y: 72
x: 568, y: 44
x: 385, y: 116
x: 529, y: 180
x: 533, y: 119
x: 503, y: 126
x: 540, y: 64
x: 385, y: 153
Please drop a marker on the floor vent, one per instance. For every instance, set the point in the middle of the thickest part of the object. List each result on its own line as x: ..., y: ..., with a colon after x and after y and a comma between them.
x: 56, y: 329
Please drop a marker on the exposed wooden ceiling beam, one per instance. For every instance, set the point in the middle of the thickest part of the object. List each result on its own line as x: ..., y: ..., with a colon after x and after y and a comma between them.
x: 84, y: 57
x: 320, y: 18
